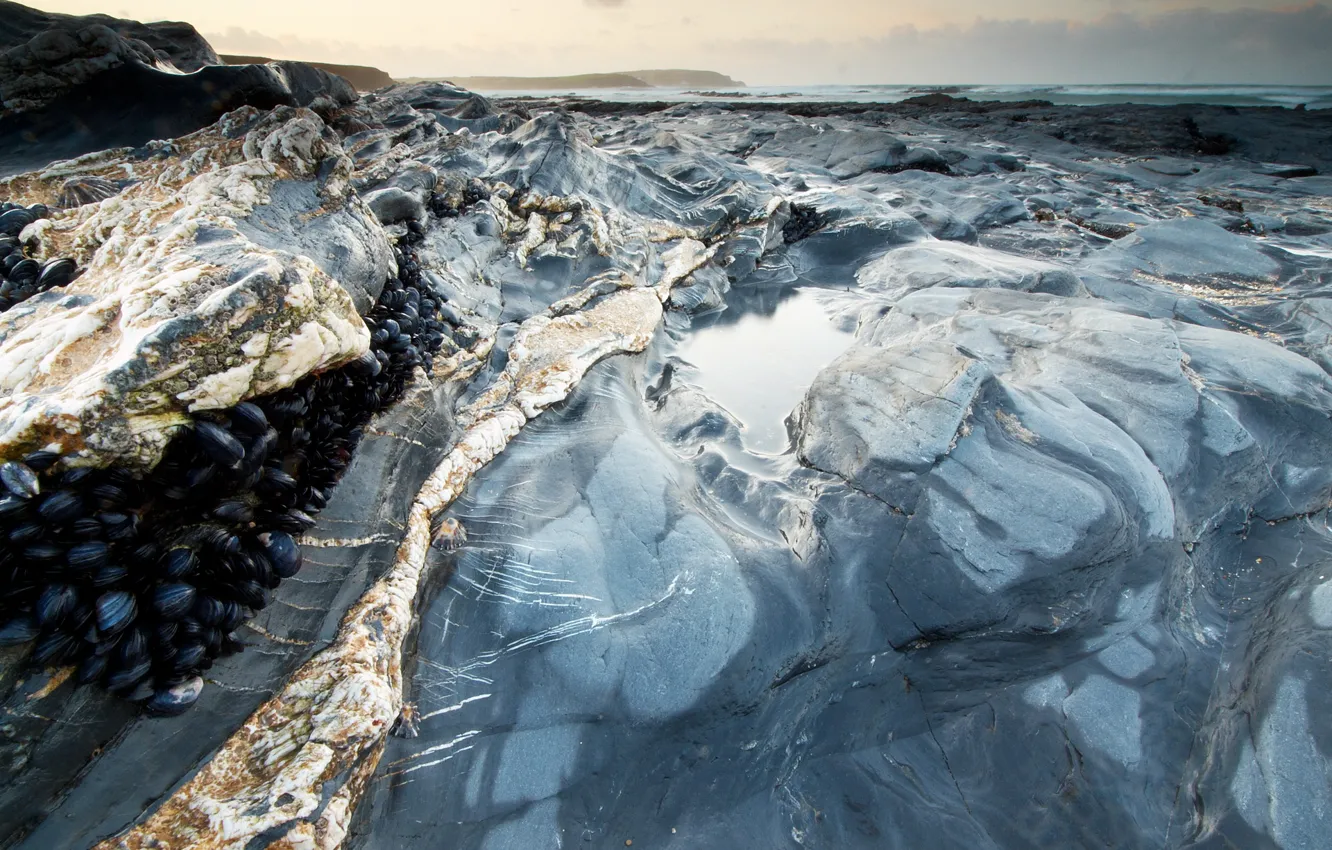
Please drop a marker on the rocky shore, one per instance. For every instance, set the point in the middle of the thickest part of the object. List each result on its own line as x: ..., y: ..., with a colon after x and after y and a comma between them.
x: 411, y: 468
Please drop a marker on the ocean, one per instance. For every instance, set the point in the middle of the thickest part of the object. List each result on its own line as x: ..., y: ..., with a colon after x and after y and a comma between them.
x: 1313, y: 97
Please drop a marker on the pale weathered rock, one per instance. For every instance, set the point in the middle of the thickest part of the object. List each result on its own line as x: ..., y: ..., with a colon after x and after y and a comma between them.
x: 178, y: 310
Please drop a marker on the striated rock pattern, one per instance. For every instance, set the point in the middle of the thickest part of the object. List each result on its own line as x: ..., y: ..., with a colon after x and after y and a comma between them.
x: 1042, y: 562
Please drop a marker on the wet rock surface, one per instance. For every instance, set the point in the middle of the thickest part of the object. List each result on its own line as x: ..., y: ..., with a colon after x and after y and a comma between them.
x: 1031, y: 551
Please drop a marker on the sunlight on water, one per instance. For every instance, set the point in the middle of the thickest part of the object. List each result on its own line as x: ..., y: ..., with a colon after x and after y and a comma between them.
x: 759, y: 365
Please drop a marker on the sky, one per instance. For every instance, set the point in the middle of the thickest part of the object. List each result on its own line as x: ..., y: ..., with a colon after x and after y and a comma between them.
x: 775, y: 42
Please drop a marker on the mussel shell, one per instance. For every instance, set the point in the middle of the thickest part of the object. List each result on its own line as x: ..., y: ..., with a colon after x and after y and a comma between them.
x: 61, y: 507
x: 19, y: 630
x: 126, y: 678
x: 208, y: 611
x: 189, y: 656
x: 13, y: 222
x: 180, y: 563
x: 282, y: 552
x: 12, y: 508
x: 275, y: 480
x: 173, y: 600
x: 234, y: 511
x: 108, y: 496
x: 115, y: 611
x: 88, y: 556
x: 219, y: 444
x: 232, y: 615
x: 249, y: 418
x: 250, y: 593
x: 55, y: 604
x: 19, y: 479
x: 54, y: 649
x: 40, y: 461
x: 57, y: 272
x: 44, y: 553
x: 28, y: 532
x: 87, y: 526
x: 169, y: 702
x: 25, y: 272
x: 91, y: 669
x: 132, y: 646
x: 110, y: 575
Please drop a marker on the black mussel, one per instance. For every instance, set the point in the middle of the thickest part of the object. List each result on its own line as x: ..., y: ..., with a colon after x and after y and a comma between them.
x: 20, y: 630
x: 12, y: 508
x: 19, y: 479
x: 54, y: 648
x: 217, y: 538
x: 248, y: 418
x: 213, y: 640
x: 127, y: 678
x: 208, y: 611
x: 145, y: 553
x: 110, y: 575
x: 180, y: 563
x: 40, y: 461
x: 39, y: 211
x: 86, y: 527
x: 169, y: 702
x: 61, y: 507
x: 273, y: 480
x: 188, y: 656
x: 44, y: 553
x: 166, y: 632
x: 234, y: 511
x: 232, y: 616
x: 86, y: 557
x: 191, y: 628
x: 296, y: 522
x: 132, y: 647
x: 367, y: 364
x: 196, y: 478
x: 57, y: 273
x: 108, y: 496
x: 77, y: 477
x: 28, y: 532
x: 115, y: 611
x: 299, y: 437
x: 25, y: 272
x: 282, y: 552
x: 219, y: 444
x: 119, y: 527
x: 13, y: 222
x: 251, y: 594
x: 173, y: 600
x: 91, y: 669
x: 56, y: 603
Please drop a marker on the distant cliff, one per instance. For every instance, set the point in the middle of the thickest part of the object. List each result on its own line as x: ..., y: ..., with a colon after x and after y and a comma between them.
x: 673, y: 78
x: 363, y: 77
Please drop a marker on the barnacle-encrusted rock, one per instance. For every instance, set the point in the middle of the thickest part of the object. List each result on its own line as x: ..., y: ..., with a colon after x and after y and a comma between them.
x: 183, y: 306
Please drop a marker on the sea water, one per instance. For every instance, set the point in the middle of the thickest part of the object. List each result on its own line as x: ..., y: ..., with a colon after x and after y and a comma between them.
x: 1313, y: 97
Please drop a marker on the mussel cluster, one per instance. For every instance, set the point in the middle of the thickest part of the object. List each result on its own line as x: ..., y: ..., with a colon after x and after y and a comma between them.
x: 22, y: 277
x: 804, y: 221
x: 444, y: 206
x: 141, y: 582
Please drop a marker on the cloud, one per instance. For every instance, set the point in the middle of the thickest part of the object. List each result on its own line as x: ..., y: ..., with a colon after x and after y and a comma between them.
x: 1189, y: 46
x: 605, y: 4
x: 1285, y: 46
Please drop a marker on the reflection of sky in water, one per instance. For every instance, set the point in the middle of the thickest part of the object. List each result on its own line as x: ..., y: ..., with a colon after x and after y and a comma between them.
x: 759, y: 366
